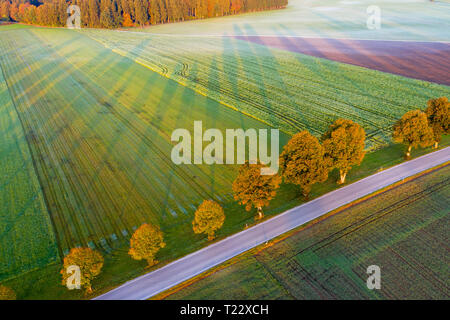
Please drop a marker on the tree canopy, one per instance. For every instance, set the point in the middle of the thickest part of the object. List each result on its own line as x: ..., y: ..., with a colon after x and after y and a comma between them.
x: 126, y: 13
x: 302, y: 161
x: 88, y: 260
x: 253, y: 189
x: 438, y: 115
x: 413, y: 130
x: 344, y: 146
x: 146, y: 241
x: 209, y: 217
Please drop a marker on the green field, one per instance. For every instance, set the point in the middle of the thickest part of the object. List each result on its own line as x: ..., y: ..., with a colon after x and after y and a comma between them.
x: 287, y: 90
x: 403, y: 230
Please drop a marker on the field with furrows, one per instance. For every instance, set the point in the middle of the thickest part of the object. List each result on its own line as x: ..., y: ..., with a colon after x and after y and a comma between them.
x: 404, y: 231
x: 287, y: 90
x: 27, y: 240
x: 99, y: 126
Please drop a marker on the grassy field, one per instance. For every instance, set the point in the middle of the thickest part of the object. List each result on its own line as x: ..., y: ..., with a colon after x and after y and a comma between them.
x: 287, y: 90
x: 420, y: 20
x: 27, y: 240
x: 403, y: 230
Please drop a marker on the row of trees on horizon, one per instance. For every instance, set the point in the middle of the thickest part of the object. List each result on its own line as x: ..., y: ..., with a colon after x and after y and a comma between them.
x: 305, y: 161
x: 127, y: 13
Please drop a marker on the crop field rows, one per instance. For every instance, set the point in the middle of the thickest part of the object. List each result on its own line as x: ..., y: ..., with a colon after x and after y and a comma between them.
x: 102, y: 145
x: 27, y: 240
x: 404, y: 231
x: 287, y: 90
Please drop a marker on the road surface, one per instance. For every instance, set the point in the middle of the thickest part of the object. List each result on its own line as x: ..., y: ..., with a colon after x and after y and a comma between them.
x: 193, y: 264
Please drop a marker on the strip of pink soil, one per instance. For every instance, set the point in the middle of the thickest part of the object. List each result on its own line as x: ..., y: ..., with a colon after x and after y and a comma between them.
x: 428, y: 61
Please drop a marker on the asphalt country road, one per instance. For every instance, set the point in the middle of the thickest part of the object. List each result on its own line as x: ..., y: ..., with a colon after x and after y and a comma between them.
x: 195, y: 263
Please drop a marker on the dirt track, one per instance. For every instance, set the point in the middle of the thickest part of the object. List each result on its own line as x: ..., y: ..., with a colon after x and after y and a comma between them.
x: 428, y: 61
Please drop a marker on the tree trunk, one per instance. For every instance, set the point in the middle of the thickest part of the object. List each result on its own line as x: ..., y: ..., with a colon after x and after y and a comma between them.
x: 343, y: 174
x: 408, y: 153
x: 260, y: 213
x: 151, y: 263
x: 305, y: 194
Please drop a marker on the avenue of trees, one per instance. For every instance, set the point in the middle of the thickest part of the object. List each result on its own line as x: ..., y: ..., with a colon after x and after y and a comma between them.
x: 127, y: 13
x: 305, y: 161
x: 438, y: 115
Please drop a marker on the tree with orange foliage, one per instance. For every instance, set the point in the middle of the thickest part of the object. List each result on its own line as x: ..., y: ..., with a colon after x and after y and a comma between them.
x: 302, y: 162
x: 90, y: 263
x: 110, y: 13
x: 413, y: 130
x: 211, y: 8
x: 14, y: 12
x: 438, y: 113
x: 146, y: 241
x: 344, y: 146
x: 4, y: 10
x: 253, y: 189
x: 236, y: 6
x: 127, y: 22
x: 209, y: 217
